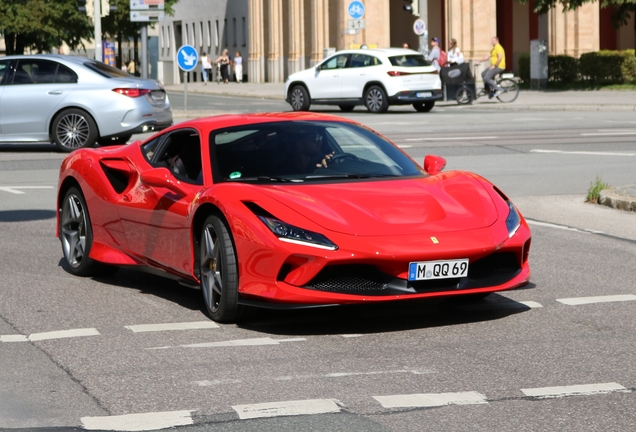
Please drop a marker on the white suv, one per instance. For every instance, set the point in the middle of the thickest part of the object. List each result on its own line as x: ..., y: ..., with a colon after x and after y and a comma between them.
x: 375, y: 78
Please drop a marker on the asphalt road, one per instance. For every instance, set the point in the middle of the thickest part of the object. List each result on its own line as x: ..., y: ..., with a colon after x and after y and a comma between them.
x: 557, y: 355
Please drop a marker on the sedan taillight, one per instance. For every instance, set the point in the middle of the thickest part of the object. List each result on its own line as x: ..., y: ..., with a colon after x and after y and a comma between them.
x: 131, y: 92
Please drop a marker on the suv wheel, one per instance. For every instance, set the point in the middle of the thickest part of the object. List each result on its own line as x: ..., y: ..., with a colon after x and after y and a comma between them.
x: 375, y: 99
x: 299, y: 98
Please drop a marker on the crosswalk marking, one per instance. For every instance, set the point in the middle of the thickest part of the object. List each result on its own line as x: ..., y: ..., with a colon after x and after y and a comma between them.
x: 60, y: 334
x: 499, y: 306
x: 431, y: 399
x: 138, y: 422
x: 573, y: 390
x: 287, y: 408
x: 16, y: 189
x: 576, y: 301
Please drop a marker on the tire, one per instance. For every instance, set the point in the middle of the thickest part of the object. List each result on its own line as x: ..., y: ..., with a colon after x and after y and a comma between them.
x: 219, y: 272
x: 510, y: 90
x: 299, y: 98
x: 424, y: 106
x: 114, y: 140
x: 73, y: 129
x: 346, y: 108
x: 375, y: 99
x: 464, y: 96
x: 76, y: 234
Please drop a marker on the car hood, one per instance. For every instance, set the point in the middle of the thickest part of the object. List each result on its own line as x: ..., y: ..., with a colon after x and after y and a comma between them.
x: 452, y: 201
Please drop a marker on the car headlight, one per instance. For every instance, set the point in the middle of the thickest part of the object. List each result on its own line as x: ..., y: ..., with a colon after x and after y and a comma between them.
x: 291, y: 234
x: 513, y: 221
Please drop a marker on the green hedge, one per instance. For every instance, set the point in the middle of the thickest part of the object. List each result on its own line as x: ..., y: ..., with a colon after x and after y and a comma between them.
x: 601, y: 67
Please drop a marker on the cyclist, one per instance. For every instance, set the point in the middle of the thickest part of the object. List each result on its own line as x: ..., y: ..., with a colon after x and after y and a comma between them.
x: 497, y: 58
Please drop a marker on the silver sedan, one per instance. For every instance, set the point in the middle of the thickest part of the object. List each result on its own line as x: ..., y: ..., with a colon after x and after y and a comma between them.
x: 76, y: 102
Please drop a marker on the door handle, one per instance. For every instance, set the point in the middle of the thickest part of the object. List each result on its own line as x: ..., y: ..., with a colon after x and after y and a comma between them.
x: 55, y: 92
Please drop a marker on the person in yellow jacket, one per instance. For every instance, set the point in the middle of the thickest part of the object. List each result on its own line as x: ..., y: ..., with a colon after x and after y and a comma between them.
x: 497, y: 58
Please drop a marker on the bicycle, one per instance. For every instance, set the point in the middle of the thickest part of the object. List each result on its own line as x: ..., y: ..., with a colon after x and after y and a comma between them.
x: 507, y: 83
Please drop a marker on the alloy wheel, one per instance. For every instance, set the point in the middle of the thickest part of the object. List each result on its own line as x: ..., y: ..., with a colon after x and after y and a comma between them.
x: 297, y: 99
x: 73, y: 131
x: 211, y: 276
x: 375, y: 99
x: 74, y: 231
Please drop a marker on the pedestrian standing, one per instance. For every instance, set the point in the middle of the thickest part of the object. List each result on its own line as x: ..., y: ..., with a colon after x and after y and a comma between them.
x: 224, y: 61
x: 455, y: 55
x: 435, y: 53
x: 206, y: 68
x: 238, y: 67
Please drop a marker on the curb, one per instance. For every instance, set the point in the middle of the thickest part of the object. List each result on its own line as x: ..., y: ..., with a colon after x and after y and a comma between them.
x: 623, y: 198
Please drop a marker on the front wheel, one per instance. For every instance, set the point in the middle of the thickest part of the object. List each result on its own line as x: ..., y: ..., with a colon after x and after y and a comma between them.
x: 424, y: 106
x: 299, y: 98
x: 219, y: 272
x: 73, y: 129
x: 509, y: 90
x: 375, y: 100
x: 76, y: 234
x: 464, y: 96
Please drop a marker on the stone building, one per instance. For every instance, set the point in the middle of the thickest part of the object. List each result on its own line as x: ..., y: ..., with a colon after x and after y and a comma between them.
x: 279, y: 37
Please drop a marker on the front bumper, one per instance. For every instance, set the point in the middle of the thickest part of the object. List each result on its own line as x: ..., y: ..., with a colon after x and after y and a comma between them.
x: 408, y: 97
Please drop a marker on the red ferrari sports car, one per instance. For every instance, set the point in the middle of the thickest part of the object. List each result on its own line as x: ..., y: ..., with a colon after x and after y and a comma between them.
x: 288, y: 210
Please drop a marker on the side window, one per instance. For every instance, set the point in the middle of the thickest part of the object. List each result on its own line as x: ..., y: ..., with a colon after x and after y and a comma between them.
x: 336, y: 62
x: 363, y: 60
x: 150, y: 148
x: 65, y: 75
x: 180, y: 152
x: 4, y: 68
x: 35, y: 72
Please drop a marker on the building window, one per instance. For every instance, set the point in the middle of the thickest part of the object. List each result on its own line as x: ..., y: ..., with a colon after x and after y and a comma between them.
x: 244, y: 31
x: 201, y: 34
x: 234, y: 31
x: 216, y: 36
x: 209, y: 36
x: 194, y: 35
x: 168, y: 43
x: 186, y: 34
x: 225, y: 42
x: 163, y: 37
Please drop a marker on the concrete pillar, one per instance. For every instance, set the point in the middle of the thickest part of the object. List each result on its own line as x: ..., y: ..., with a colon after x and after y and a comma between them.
x: 275, y: 64
x: 574, y: 32
x: 319, y: 30
x: 473, y: 23
x: 256, y: 59
x: 296, y: 56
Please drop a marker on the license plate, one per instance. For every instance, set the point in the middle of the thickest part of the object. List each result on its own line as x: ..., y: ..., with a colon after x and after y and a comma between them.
x: 423, y: 94
x: 427, y: 270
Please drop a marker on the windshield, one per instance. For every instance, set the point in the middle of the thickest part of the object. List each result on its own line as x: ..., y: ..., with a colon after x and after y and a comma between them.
x: 305, y: 151
x: 106, y: 70
x: 409, y: 60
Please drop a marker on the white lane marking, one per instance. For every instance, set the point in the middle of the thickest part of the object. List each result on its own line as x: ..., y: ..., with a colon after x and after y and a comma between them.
x: 563, y: 227
x: 287, y: 408
x: 61, y: 334
x: 588, y: 153
x: 351, y: 335
x: 16, y: 189
x: 207, y: 383
x: 534, y: 119
x: 575, y: 301
x: 608, y: 133
x: 402, y: 123
x: 235, y: 343
x: 138, y: 422
x: 431, y: 399
x: 573, y: 390
x: 451, y: 138
x: 500, y: 306
x: 140, y: 328
x: 13, y: 338
x: 404, y: 146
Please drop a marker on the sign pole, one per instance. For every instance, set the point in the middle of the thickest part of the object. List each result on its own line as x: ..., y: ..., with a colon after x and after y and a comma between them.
x: 144, y: 50
x: 185, y: 92
x: 98, y: 29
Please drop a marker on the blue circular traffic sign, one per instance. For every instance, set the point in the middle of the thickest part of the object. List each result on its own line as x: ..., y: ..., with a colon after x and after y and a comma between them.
x: 356, y: 9
x: 187, y: 58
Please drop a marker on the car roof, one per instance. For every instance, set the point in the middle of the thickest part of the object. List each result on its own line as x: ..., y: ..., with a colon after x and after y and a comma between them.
x: 59, y: 57
x: 378, y: 51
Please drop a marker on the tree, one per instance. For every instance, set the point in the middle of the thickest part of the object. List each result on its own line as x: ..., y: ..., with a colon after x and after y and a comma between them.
x: 42, y: 25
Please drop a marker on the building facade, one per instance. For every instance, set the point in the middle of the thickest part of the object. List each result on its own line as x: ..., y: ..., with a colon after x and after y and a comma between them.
x: 279, y: 37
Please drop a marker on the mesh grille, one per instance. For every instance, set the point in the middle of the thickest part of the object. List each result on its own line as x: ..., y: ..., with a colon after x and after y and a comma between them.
x: 348, y: 278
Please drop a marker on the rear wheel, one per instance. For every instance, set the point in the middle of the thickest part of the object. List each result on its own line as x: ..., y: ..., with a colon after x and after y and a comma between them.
x: 346, y: 108
x: 424, y: 106
x: 299, y: 98
x: 375, y: 100
x: 464, y: 96
x: 509, y: 90
x: 73, y: 129
x: 76, y: 234
x: 219, y: 272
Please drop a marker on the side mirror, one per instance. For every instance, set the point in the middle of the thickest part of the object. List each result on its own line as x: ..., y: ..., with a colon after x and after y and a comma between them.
x: 317, y: 68
x: 161, y: 177
x: 434, y: 164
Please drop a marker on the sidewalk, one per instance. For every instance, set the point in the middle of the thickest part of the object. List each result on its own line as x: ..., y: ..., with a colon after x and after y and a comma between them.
x: 528, y: 100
